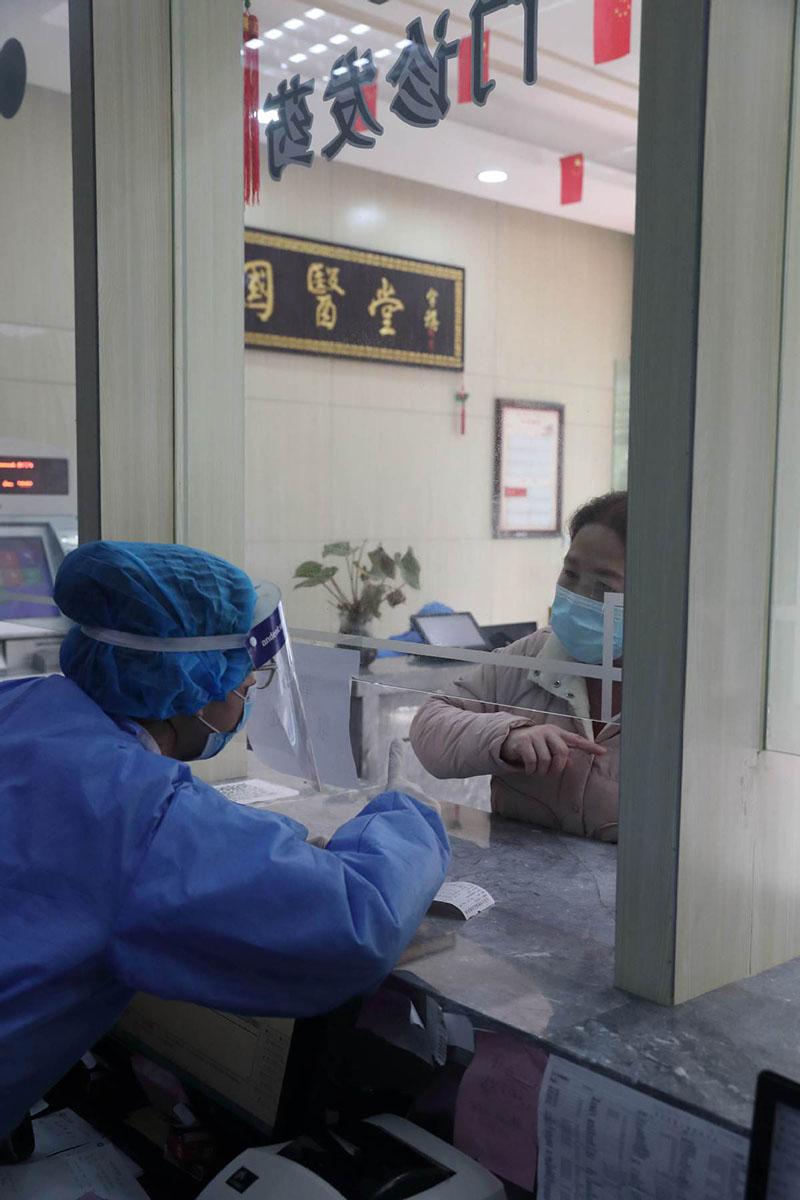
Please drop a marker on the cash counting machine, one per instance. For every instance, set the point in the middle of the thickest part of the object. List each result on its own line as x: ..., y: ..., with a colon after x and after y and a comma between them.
x: 381, y: 1158
x: 38, y: 527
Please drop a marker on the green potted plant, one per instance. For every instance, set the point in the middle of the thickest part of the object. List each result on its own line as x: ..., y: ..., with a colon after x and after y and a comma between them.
x: 372, y: 578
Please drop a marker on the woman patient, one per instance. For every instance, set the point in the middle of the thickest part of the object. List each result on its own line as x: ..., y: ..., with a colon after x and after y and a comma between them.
x: 556, y: 765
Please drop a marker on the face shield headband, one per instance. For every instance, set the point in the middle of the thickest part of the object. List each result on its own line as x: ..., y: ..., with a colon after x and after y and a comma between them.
x: 277, y: 729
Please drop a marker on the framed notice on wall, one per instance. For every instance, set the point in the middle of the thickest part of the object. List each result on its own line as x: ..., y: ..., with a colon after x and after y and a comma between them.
x: 528, y: 468
x: 312, y: 297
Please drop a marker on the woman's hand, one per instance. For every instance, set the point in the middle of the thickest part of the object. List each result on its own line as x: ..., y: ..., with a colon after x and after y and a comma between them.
x: 544, y: 749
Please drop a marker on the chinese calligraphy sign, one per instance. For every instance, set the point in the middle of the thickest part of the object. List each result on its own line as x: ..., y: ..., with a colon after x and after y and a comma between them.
x: 310, y: 297
x: 419, y: 77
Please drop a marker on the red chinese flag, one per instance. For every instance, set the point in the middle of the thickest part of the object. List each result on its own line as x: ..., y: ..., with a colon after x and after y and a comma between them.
x: 572, y: 179
x: 465, y: 67
x: 612, y: 29
x: 370, y: 93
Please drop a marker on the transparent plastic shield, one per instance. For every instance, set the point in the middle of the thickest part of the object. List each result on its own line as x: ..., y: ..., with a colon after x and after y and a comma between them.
x: 278, y: 729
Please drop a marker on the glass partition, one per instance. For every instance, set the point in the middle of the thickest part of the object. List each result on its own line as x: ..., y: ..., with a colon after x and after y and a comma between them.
x: 437, y: 320
x: 38, y: 508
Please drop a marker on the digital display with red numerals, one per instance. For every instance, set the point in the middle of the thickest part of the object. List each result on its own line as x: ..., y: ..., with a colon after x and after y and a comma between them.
x: 34, y: 476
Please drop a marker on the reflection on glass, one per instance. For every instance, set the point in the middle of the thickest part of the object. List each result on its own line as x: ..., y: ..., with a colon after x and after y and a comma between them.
x: 38, y: 507
x: 394, y: 296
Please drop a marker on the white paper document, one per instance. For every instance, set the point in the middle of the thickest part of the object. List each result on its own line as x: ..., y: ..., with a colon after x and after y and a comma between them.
x: 602, y: 1140
x: 255, y: 791
x: 63, y: 1130
x: 90, y: 1173
x: 464, y: 899
x: 324, y: 674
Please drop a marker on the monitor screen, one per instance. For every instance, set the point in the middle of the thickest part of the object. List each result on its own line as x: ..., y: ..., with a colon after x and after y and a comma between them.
x: 26, y: 582
x: 240, y: 1061
x: 451, y: 629
x: 784, y: 1167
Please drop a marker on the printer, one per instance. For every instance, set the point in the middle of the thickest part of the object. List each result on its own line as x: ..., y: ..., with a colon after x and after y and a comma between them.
x: 380, y: 1158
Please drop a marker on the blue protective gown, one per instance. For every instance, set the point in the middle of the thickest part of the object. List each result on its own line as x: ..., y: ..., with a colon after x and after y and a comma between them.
x: 120, y: 872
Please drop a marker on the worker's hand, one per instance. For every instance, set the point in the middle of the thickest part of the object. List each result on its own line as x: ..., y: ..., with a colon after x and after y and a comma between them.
x: 544, y: 749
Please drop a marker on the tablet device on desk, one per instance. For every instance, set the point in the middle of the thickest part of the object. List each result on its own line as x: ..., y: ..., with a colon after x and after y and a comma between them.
x: 774, y: 1169
x: 457, y: 630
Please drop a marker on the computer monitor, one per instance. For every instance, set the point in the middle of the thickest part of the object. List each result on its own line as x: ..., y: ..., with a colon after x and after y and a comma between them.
x: 29, y: 559
x: 242, y: 1063
x: 459, y: 630
x: 774, y: 1169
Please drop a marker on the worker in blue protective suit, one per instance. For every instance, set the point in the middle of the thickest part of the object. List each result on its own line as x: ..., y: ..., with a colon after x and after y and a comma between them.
x: 120, y: 871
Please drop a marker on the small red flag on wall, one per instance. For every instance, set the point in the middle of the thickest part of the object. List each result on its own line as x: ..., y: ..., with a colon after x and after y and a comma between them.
x: 465, y: 67
x: 572, y: 179
x: 370, y: 93
x: 612, y: 29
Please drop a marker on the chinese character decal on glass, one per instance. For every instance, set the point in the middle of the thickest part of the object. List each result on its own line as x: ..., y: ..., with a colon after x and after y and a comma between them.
x: 421, y: 77
x: 349, y: 77
x: 259, y: 288
x: 387, y: 302
x: 479, y: 11
x: 289, y: 132
x: 322, y: 282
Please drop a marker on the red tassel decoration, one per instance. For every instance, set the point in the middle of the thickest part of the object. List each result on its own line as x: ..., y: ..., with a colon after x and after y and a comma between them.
x: 462, y: 396
x: 252, y: 166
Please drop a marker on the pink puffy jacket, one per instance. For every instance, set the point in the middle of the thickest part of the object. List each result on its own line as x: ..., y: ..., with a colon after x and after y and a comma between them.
x: 462, y: 735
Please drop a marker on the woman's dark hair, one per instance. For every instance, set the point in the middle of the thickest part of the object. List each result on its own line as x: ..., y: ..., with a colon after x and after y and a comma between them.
x: 610, y: 510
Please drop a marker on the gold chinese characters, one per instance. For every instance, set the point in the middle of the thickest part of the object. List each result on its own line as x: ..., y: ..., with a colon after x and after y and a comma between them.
x: 322, y: 282
x: 387, y: 302
x: 260, y: 293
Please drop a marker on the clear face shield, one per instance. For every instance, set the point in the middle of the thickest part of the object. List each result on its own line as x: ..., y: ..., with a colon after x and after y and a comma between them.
x: 277, y: 730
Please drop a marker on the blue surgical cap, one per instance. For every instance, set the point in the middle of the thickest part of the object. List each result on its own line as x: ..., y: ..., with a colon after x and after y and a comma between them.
x: 158, y: 591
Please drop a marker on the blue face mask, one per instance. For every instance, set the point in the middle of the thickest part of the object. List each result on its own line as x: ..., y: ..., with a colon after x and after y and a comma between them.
x: 577, y: 622
x: 217, y: 740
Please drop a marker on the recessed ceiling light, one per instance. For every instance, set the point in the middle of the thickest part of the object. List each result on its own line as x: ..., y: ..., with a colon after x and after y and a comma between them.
x: 402, y: 45
x: 326, y: 78
x: 284, y: 66
x: 314, y: 14
x: 293, y: 23
x: 492, y: 176
x: 254, y: 44
x: 337, y: 39
x: 361, y: 62
x: 359, y: 29
x: 273, y: 34
x: 297, y: 58
x: 320, y: 48
x: 340, y: 70
x: 267, y: 115
x: 382, y: 53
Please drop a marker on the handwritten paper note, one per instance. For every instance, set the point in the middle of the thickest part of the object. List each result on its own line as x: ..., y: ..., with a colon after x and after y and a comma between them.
x: 602, y: 1139
x: 461, y: 900
x: 497, y: 1107
x: 90, y: 1171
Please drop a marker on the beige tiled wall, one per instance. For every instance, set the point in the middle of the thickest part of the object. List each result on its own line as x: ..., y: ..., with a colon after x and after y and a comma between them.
x: 37, y: 344
x: 340, y: 449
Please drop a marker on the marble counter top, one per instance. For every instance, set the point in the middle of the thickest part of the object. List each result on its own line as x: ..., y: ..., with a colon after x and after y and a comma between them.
x: 542, y: 962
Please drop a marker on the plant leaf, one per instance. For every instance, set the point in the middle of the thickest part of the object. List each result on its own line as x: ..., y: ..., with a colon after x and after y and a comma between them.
x: 309, y: 570
x: 322, y: 576
x: 410, y: 569
x: 337, y: 550
x: 383, y: 565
